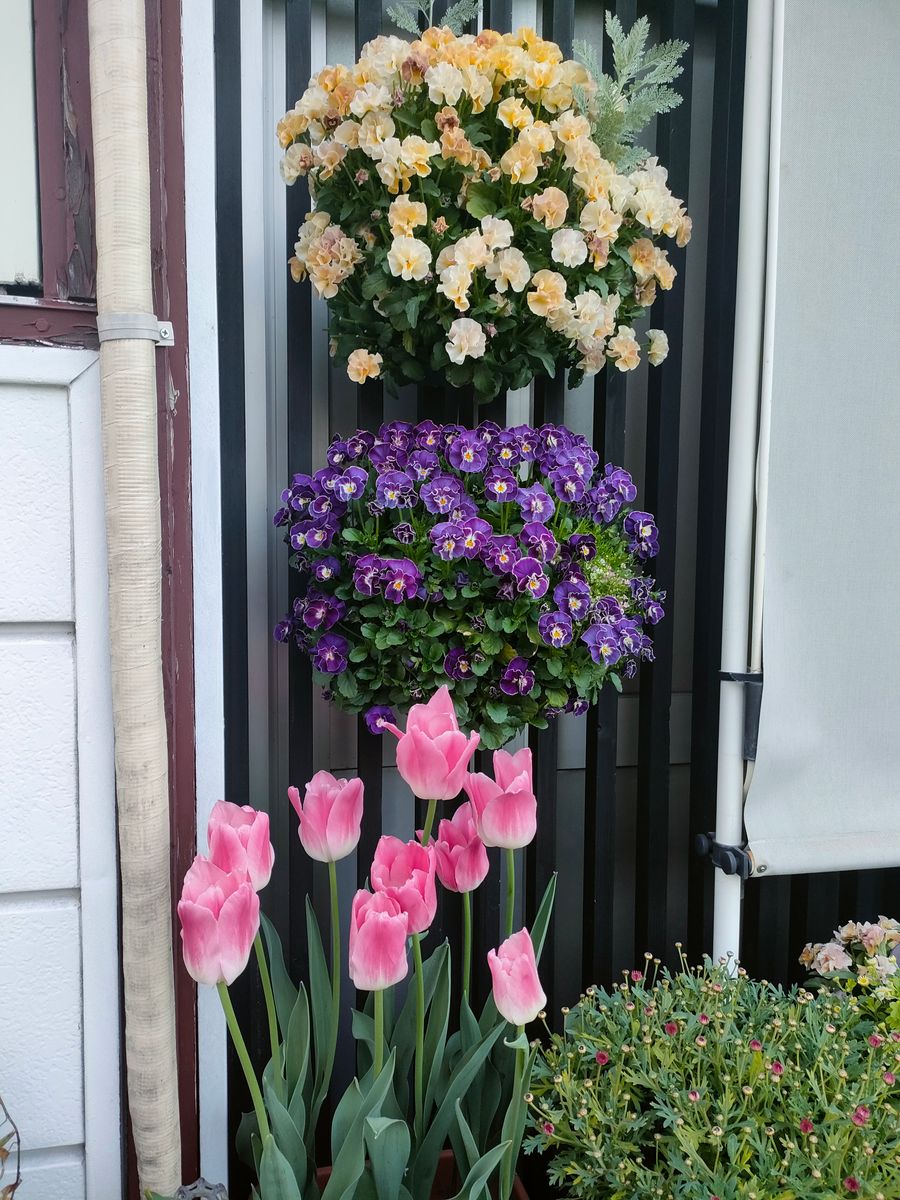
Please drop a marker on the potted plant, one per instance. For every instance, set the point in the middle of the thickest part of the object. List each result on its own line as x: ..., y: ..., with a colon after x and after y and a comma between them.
x: 706, y: 1084
x: 863, y: 960
x: 437, y: 1107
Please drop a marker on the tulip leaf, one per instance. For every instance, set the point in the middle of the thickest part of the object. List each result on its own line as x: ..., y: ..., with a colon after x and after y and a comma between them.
x: 388, y: 1144
x: 475, y: 1183
x: 404, y: 1033
x: 542, y: 919
x: 350, y: 1159
x: 320, y: 1007
x: 514, y: 1123
x: 276, y: 1176
x: 470, y: 1146
x: 288, y: 1137
x: 467, y: 1068
x: 296, y: 1045
x: 436, y: 1027
x: 285, y: 992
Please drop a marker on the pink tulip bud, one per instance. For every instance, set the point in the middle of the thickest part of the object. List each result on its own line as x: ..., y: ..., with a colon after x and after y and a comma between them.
x: 517, y: 990
x: 433, y: 755
x: 460, y: 858
x: 330, y: 814
x: 239, y: 841
x: 378, y: 931
x: 405, y: 872
x: 505, y: 810
x: 219, y: 914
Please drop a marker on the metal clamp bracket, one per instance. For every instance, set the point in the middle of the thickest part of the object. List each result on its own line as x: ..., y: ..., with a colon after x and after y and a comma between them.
x: 731, y: 860
x: 753, y: 685
x: 134, y: 326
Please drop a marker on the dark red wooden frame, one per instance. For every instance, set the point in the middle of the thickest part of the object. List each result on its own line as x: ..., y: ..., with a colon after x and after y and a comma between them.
x: 65, y: 314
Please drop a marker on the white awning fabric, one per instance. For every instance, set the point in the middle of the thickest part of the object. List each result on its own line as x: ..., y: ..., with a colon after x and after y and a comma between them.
x: 825, y: 793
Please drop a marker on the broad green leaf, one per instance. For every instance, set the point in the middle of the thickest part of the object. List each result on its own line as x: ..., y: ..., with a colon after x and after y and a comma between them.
x: 320, y: 1007
x: 475, y: 1183
x: 276, y: 1176
x: 283, y: 988
x: 469, y: 1144
x: 288, y: 1138
x: 350, y: 1160
x: 296, y: 1045
x: 388, y: 1144
x: 436, y: 1026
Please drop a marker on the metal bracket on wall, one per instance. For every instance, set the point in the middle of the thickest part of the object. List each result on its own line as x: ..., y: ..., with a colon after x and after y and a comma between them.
x: 731, y: 860
x: 753, y: 685
x: 134, y: 326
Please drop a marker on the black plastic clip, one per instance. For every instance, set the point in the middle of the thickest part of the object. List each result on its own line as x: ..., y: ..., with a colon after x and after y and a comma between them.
x: 731, y: 860
x: 753, y: 685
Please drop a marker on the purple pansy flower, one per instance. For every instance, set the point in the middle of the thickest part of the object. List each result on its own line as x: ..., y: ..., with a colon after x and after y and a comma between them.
x: 641, y: 528
x: 326, y: 504
x: 653, y: 610
x: 337, y: 453
x: 330, y: 654
x: 620, y: 481
x: 401, y: 578
x: 475, y: 534
x: 501, y: 553
x: 608, y: 609
x: 517, y: 679
x: 526, y: 439
x: 555, y: 628
x: 573, y: 597
x: 530, y: 578
x: 377, y: 717
x: 282, y: 516
x: 441, y: 493
x: 630, y: 634
x: 351, y: 484
x: 488, y: 431
x: 422, y: 465
x: 429, y: 436
x: 577, y: 707
x: 367, y: 574
x: 568, y: 485
x: 327, y: 568
x: 538, y: 541
x: 404, y: 533
x: 468, y: 452
x: 603, y: 643
x: 583, y: 546
x: 447, y: 538
x: 323, y: 479
x: 458, y: 664
x: 321, y: 611
x: 464, y: 510
x: 647, y: 652
x: 301, y: 492
x: 359, y: 444
x: 535, y: 504
x: 505, y: 449
x: 386, y: 458
x: 395, y: 489
x: 282, y: 631
x: 500, y: 485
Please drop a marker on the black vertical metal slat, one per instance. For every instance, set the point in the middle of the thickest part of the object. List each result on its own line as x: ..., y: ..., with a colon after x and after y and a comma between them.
x: 610, y: 390
x: 715, y: 419
x: 232, y: 448
x: 498, y: 15
x: 369, y: 415
x: 673, y: 144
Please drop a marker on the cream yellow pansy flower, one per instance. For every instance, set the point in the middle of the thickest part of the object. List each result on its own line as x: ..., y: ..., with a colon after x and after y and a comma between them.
x: 409, y: 258
x: 405, y: 215
x: 415, y: 153
x: 371, y: 97
x: 537, y: 137
x: 297, y: 161
x: 514, y: 113
x: 473, y: 251
x: 657, y: 346
x: 509, y: 269
x: 445, y: 83
x: 361, y: 365
x: 375, y: 129
x: 466, y: 339
x: 347, y: 134
x: 599, y: 217
x: 497, y: 232
x: 624, y: 348
x: 454, y: 283
x: 571, y: 126
x: 329, y: 156
x: 520, y: 164
x: 567, y: 247
x: 549, y: 292
x: 550, y: 206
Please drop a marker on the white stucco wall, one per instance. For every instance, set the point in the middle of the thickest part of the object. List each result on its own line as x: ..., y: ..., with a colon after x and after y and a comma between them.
x: 59, y: 1007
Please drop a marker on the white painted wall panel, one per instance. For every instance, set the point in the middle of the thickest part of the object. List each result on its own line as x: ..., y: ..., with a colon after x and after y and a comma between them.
x: 40, y: 1034
x: 35, y: 500
x: 38, y: 756
x: 59, y: 992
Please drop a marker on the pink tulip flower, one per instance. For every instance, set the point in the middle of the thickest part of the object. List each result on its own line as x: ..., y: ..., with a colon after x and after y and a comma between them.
x: 460, y: 858
x: 239, y: 841
x: 504, y: 808
x: 378, y: 931
x: 330, y: 814
x: 405, y: 872
x: 517, y: 990
x: 433, y: 755
x: 219, y: 914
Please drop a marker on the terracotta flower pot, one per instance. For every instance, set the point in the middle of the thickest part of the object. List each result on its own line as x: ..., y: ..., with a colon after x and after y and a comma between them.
x: 446, y: 1181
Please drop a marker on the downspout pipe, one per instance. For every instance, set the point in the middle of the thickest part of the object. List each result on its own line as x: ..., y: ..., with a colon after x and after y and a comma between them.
x: 118, y: 72
x: 742, y: 452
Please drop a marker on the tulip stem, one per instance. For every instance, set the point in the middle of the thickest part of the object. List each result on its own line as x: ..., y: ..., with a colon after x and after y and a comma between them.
x: 517, y: 1106
x: 244, y: 1058
x: 510, y: 889
x: 420, y: 1035
x: 335, y: 970
x: 266, y: 980
x: 467, y: 943
x: 429, y: 821
x: 379, y: 1032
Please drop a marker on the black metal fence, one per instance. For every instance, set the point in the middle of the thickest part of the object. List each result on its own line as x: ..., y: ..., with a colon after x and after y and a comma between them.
x: 622, y: 794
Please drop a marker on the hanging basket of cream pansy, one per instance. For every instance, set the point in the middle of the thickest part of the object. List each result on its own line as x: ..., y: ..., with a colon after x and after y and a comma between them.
x: 470, y: 218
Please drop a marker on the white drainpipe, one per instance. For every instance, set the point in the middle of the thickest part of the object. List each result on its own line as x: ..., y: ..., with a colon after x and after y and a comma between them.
x: 118, y: 67
x: 742, y: 458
